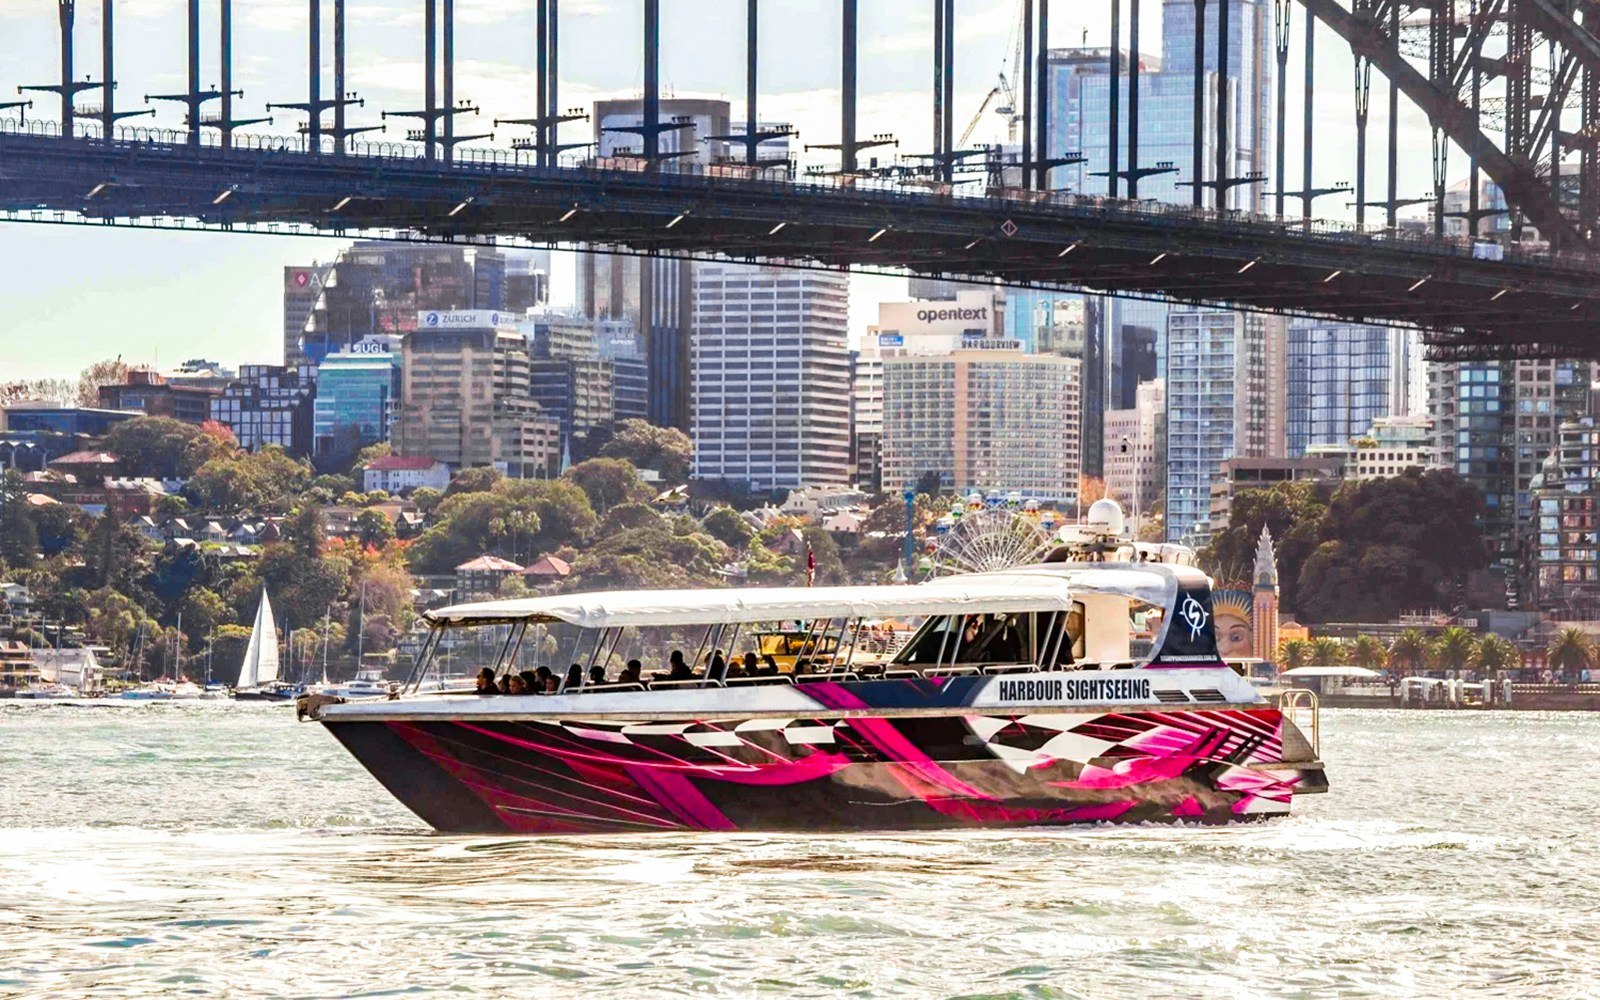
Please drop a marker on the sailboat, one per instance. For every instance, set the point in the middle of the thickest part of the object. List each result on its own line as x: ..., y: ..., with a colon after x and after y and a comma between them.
x: 258, y: 675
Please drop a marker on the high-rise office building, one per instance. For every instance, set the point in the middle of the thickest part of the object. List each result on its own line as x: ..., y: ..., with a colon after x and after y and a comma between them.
x: 587, y: 373
x: 654, y: 292
x: 357, y: 392
x: 467, y: 398
x: 1217, y: 407
x: 1080, y: 87
x: 771, y: 389
x: 378, y: 288
x: 967, y: 316
x: 983, y: 419
x: 1341, y: 378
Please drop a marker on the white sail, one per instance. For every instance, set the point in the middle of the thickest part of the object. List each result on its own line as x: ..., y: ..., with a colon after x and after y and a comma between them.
x: 261, y: 656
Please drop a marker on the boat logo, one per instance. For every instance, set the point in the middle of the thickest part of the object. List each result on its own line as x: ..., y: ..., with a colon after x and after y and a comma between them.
x: 1195, y: 616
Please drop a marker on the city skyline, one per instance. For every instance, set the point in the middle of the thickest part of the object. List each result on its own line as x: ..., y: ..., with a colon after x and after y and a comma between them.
x: 137, y: 310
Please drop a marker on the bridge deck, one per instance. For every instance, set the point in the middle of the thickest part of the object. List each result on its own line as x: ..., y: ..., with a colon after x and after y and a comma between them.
x: 1529, y: 303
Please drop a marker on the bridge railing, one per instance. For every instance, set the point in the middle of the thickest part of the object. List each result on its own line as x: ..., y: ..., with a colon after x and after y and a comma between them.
x: 709, y: 178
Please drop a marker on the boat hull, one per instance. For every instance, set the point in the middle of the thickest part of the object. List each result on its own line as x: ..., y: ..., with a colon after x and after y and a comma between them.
x: 838, y: 773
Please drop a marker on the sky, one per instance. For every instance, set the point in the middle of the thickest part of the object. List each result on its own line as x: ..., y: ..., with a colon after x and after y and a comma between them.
x: 74, y: 295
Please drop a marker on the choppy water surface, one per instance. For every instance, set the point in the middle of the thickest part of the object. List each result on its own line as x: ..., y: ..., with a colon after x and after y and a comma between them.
x: 224, y: 850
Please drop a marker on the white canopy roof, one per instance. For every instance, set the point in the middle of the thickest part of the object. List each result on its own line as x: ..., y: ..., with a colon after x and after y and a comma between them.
x: 1331, y: 672
x: 974, y: 594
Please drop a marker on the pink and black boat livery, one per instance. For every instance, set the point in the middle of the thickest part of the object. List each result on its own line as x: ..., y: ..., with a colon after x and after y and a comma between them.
x: 1054, y: 694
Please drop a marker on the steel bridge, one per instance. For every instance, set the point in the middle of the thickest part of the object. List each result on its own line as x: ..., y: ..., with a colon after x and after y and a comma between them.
x: 1514, y: 84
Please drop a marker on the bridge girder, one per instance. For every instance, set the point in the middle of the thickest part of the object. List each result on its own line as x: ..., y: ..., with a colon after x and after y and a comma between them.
x: 1365, y: 29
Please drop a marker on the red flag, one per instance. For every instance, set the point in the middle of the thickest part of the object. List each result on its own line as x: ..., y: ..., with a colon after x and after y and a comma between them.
x: 811, y: 567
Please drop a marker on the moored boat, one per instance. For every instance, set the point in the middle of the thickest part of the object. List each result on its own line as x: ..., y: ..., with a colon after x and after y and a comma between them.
x: 1020, y: 700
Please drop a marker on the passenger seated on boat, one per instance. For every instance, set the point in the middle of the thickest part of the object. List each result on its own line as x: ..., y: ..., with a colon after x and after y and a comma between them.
x: 752, y: 665
x: 633, y: 673
x: 597, y: 674
x: 678, y: 669
x: 769, y: 666
x: 574, y: 677
x: 504, y: 685
x: 541, y: 680
x: 516, y: 685
x: 552, y: 684
x: 530, y: 682
x: 485, y: 682
x: 718, y: 671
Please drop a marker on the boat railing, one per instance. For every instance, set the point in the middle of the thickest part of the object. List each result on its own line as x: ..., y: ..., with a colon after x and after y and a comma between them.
x: 843, y: 677
x: 759, y: 679
x: 1300, y: 706
x: 698, y: 682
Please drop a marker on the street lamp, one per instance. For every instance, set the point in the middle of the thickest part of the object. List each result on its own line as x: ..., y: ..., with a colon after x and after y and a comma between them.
x: 1127, y: 449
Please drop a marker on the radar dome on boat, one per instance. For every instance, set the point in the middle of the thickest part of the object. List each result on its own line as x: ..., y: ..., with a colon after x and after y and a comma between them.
x: 1105, y: 518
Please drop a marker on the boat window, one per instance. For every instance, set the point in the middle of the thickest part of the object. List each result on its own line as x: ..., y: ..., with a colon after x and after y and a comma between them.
x: 1062, y: 644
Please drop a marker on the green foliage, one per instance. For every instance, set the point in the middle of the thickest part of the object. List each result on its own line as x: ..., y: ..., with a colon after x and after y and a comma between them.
x: 1293, y: 511
x: 267, y: 481
x: 646, y: 446
x: 830, y: 568
x: 1368, y: 652
x: 303, y: 586
x: 1368, y: 552
x: 726, y: 526
x: 608, y: 482
x: 19, y: 533
x: 1454, y: 649
x: 651, y: 554
x: 114, y: 555
x: 515, y: 518
x: 163, y: 448
x: 1497, y: 653
x: 426, y: 498
x: 478, y: 480
x: 1409, y: 650
x: 1571, y: 651
x: 373, y: 529
x: 1295, y: 653
x: 1327, y: 651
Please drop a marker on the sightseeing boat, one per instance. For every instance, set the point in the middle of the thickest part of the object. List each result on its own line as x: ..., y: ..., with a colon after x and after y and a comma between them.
x: 1024, y: 698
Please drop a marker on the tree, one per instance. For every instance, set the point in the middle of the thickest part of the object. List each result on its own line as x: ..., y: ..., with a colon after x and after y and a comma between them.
x: 1454, y: 649
x: 426, y: 498
x: 1295, y: 653
x: 1409, y: 650
x: 608, y: 482
x: 469, y: 525
x: 1369, y: 653
x: 164, y: 448
x: 110, y: 372
x: 667, y: 450
x: 1293, y: 511
x: 1327, y: 651
x: 726, y: 526
x: 19, y: 534
x: 1571, y: 652
x: 477, y: 480
x: 373, y: 529
x: 1090, y: 489
x: 1496, y: 653
x: 266, y: 481
x: 823, y: 549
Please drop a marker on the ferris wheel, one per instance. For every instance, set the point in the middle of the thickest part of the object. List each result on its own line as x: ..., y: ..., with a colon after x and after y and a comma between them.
x: 988, y: 539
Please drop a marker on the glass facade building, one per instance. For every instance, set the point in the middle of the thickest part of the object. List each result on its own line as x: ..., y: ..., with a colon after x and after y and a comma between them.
x: 1341, y: 378
x: 1217, y: 408
x: 356, y: 398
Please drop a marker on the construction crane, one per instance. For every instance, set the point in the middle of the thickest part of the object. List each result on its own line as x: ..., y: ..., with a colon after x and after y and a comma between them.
x: 1003, y: 89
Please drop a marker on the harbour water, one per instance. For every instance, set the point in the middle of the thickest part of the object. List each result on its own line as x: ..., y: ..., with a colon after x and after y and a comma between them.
x: 223, y: 850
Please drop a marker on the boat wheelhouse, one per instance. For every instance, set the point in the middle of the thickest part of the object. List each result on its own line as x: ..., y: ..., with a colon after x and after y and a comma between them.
x: 1023, y: 698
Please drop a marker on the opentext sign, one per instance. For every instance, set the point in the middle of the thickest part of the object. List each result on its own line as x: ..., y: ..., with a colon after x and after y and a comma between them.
x: 945, y: 315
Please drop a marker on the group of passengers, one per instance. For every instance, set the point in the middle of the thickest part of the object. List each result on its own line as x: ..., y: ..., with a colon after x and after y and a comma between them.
x: 545, y: 681
x: 719, y: 668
